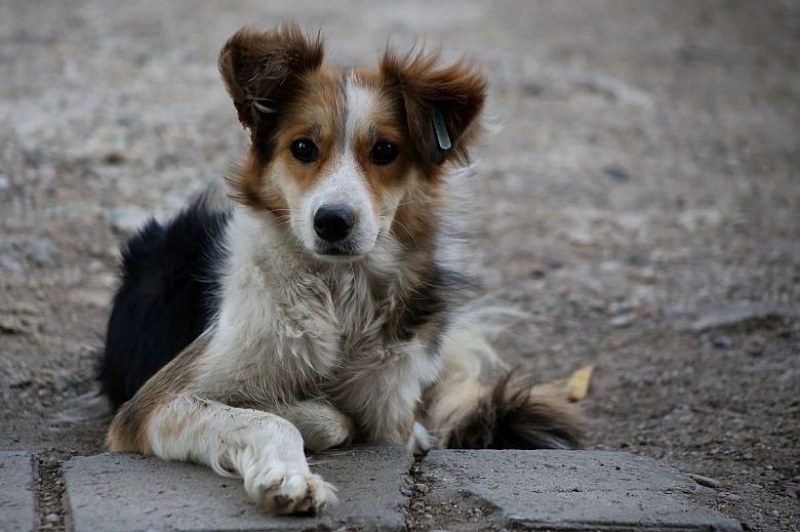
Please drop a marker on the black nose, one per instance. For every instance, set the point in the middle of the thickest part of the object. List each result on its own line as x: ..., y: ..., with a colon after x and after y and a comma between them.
x: 334, y: 222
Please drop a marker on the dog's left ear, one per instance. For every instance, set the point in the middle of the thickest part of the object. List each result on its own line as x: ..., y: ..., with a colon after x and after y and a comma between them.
x: 441, y: 105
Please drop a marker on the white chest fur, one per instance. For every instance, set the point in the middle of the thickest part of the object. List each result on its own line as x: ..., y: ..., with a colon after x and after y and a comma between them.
x: 293, y: 328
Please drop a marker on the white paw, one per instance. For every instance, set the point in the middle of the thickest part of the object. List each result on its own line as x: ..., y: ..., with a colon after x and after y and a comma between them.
x: 420, y: 441
x: 280, y: 488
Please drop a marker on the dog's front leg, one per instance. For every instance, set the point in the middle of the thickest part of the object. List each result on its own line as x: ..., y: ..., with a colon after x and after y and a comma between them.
x: 384, y: 398
x: 265, y: 450
x: 420, y: 441
x: 322, y: 425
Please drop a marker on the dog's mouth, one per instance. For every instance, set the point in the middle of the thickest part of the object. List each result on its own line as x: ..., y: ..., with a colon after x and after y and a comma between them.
x: 337, y: 252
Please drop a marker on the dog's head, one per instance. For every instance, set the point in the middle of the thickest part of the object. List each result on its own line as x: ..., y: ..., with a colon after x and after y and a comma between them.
x: 346, y: 158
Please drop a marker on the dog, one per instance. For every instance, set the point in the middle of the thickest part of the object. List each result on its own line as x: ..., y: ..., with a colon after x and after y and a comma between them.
x: 321, y: 306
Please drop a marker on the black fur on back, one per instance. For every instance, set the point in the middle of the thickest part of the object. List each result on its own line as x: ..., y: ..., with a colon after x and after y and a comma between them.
x: 511, y: 418
x: 168, y: 295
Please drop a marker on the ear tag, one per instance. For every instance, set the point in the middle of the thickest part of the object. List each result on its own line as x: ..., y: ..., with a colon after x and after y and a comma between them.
x: 442, y: 136
x: 260, y: 104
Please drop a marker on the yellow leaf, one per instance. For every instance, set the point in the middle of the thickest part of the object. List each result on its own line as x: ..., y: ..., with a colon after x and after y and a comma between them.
x: 578, y: 383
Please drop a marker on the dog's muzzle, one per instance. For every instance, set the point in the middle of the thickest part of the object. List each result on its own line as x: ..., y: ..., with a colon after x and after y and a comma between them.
x: 335, y: 226
x: 334, y: 223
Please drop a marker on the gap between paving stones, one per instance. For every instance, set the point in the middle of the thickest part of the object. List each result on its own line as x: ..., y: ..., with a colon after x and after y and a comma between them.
x: 414, y: 511
x: 49, y: 486
x: 469, y: 511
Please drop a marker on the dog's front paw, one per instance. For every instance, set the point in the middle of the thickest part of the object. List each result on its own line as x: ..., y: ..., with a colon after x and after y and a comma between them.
x: 282, y: 489
x: 420, y: 441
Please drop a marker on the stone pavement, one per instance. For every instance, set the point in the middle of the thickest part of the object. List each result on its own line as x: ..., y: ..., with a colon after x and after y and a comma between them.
x: 569, y: 490
x: 17, y: 497
x: 380, y: 488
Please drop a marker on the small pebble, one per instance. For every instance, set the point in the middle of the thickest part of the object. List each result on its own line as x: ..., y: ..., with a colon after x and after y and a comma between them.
x: 721, y: 342
x: 421, y: 488
x: 617, y: 173
x: 623, y: 320
x: 705, y: 481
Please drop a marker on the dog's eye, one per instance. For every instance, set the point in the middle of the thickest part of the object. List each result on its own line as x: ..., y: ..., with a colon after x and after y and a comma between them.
x: 304, y: 150
x: 383, y: 153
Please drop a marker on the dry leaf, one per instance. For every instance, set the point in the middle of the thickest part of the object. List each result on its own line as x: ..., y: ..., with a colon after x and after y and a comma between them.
x: 578, y: 384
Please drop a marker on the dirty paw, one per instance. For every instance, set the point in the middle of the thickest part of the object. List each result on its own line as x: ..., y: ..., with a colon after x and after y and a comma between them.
x: 280, y: 490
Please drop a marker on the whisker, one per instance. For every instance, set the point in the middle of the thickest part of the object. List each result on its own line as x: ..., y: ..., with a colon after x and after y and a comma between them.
x: 407, y: 231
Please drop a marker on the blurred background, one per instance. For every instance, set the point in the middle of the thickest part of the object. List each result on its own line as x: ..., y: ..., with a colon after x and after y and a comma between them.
x: 641, y: 201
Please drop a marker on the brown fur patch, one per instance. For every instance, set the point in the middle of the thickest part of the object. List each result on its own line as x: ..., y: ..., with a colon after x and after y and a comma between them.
x: 263, y: 72
x: 249, y: 188
x: 416, y: 221
x: 457, y: 91
x: 385, y: 124
x: 261, y: 69
x: 316, y: 113
x: 128, y: 430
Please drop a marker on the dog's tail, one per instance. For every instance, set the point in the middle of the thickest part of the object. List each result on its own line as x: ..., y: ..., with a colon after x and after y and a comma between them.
x: 480, y: 404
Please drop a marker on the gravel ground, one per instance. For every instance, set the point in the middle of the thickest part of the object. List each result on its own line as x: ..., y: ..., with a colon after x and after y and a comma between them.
x: 641, y: 201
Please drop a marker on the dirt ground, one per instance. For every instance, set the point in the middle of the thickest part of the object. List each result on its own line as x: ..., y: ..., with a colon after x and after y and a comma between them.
x: 641, y: 201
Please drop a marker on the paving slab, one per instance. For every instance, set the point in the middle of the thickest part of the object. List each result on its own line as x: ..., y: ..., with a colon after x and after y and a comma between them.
x: 126, y: 492
x: 564, y: 490
x: 17, y: 495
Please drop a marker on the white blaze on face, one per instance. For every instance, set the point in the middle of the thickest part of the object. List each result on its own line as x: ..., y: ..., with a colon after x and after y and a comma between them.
x: 344, y: 185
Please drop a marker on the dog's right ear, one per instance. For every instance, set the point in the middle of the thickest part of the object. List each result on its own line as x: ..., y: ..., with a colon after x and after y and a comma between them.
x: 260, y: 69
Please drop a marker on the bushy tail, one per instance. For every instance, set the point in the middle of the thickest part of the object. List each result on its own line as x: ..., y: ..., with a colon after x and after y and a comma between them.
x: 480, y: 404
